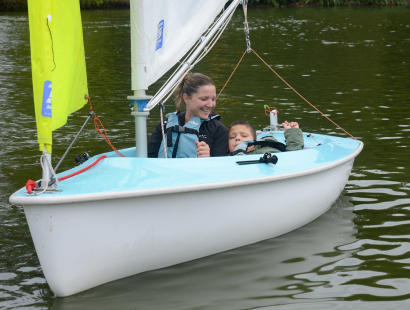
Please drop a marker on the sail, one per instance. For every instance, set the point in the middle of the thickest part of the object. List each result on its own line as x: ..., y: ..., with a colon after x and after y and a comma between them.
x: 163, y: 31
x: 58, y: 64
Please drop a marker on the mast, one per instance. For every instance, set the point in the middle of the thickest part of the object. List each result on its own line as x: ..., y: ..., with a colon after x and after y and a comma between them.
x: 139, y: 83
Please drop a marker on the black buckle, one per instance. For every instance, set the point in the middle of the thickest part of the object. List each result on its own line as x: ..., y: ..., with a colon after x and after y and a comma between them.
x: 266, y: 159
x: 178, y: 128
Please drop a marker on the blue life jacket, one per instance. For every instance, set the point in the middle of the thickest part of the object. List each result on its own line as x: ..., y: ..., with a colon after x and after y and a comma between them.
x: 181, y: 139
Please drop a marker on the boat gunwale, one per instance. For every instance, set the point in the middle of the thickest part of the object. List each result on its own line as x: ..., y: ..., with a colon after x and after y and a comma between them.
x: 49, y: 200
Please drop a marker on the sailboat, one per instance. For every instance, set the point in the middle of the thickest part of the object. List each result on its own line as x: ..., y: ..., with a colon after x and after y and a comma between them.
x: 150, y: 213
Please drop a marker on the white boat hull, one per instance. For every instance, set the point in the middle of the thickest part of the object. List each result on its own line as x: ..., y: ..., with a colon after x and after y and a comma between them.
x: 90, y: 242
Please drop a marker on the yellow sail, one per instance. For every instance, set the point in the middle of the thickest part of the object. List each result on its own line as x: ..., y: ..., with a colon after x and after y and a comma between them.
x: 58, y: 64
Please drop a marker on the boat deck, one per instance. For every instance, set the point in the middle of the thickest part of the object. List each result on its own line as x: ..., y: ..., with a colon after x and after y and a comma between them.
x: 117, y: 177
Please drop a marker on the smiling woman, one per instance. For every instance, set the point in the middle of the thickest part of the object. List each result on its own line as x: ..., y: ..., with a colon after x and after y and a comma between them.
x: 197, y: 132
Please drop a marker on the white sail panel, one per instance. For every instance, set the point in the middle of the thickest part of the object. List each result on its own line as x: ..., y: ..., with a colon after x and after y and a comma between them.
x: 163, y: 31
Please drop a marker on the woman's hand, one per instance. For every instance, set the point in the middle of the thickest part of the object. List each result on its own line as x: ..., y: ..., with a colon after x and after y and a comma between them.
x: 287, y: 125
x: 202, y: 149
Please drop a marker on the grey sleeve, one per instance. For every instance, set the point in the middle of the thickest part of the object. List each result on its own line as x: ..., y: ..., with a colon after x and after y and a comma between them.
x: 294, y: 139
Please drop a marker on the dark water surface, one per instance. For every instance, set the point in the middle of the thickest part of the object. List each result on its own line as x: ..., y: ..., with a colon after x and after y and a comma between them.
x: 351, y: 63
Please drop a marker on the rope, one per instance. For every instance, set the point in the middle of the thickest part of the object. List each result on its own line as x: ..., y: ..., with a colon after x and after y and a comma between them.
x: 97, y: 127
x: 287, y: 85
x: 231, y: 75
x: 269, y: 109
x: 30, y: 185
x: 82, y: 170
x: 302, y: 96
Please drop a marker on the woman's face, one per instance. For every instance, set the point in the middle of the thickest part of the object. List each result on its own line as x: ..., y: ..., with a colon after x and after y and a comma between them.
x: 200, y: 103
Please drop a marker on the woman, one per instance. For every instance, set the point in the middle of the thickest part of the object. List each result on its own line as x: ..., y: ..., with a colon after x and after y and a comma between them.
x: 197, y: 132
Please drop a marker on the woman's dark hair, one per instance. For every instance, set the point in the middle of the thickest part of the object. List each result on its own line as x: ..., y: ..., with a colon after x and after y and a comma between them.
x: 244, y: 123
x: 190, y: 85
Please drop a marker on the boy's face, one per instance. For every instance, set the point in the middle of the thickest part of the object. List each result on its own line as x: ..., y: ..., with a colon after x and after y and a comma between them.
x: 238, y: 134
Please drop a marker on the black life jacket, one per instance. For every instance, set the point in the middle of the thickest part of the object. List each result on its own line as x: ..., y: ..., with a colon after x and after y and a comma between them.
x: 242, y: 148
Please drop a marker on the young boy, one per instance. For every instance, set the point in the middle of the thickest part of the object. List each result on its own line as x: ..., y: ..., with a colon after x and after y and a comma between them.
x: 241, y: 131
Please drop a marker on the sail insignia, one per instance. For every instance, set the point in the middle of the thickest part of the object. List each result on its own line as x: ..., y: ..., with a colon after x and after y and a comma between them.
x: 46, y: 106
x: 160, y: 35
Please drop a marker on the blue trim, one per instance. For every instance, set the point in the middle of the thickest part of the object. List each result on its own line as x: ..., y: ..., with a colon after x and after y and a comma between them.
x: 141, y: 104
x: 160, y: 35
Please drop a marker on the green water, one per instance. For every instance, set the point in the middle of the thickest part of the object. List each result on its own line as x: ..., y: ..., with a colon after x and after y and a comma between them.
x: 351, y: 63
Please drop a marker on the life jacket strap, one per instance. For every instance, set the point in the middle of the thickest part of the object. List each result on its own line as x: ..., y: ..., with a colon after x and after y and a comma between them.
x: 240, y: 151
x: 273, y: 144
x: 264, y: 143
x: 179, y: 129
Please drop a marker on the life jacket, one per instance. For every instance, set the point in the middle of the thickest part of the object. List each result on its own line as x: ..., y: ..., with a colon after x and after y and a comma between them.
x: 242, y: 148
x: 181, y: 139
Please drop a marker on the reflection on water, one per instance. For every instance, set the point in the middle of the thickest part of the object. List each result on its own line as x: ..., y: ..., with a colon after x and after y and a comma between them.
x: 352, y: 63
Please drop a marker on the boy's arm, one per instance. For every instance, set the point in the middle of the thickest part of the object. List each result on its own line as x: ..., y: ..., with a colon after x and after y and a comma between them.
x: 294, y: 139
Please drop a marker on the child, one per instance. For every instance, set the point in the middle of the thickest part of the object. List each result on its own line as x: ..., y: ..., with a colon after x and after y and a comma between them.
x: 241, y: 131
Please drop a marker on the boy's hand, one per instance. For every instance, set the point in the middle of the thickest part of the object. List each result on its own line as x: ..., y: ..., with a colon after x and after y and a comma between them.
x: 202, y: 149
x: 287, y: 125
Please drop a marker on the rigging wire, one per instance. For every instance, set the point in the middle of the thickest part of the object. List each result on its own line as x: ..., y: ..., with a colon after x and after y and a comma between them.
x: 161, y: 108
x: 187, y: 57
x: 246, y: 25
x: 30, y: 185
x: 231, y: 75
x: 288, y: 86
x: 302, y: 96
x: 44, y: 155
x: 215, y: 39
x: 97, y: 127
x: 249, y: 49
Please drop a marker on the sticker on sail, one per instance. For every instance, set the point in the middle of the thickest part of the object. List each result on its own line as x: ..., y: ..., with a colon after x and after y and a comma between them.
x: 46, y: 106
x: 160, y: 35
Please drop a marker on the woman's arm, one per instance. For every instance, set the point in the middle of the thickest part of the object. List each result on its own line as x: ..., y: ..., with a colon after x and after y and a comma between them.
x: 220, y: 144
x: 154, y: 142
x: 202, y: 149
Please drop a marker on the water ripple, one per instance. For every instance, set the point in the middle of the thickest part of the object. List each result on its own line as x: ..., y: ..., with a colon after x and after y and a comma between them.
x: 383, y: 205
x: 354, y: 257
